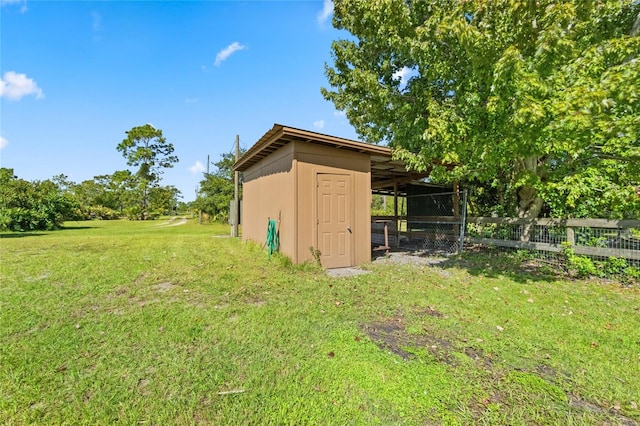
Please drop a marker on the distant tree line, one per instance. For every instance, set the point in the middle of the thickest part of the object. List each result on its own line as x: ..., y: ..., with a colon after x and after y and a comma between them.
x: 45, y: 205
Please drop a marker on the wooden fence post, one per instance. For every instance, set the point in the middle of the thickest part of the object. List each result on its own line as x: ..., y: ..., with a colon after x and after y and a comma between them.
x: 571, y: 236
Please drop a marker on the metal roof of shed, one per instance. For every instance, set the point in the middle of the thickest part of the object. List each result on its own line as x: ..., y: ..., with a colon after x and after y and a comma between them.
x: 385, y: 171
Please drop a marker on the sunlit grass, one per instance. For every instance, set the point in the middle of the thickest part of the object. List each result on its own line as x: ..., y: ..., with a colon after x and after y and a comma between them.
x: 133, y: 322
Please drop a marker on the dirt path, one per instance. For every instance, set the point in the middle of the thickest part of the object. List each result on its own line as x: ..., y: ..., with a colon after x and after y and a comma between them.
x: 173, y: 222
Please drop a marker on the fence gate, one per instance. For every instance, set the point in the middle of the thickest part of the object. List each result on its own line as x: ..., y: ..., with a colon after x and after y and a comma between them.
x: 435, y: 222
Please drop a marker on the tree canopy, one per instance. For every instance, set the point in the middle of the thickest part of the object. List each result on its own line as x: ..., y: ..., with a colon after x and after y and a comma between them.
x: 146, y: 148
x: 536, y: 101
x: 217, y: 189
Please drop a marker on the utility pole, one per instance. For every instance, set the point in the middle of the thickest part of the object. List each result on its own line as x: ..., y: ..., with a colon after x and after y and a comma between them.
x: 236, y: 195
x: 200, y: 211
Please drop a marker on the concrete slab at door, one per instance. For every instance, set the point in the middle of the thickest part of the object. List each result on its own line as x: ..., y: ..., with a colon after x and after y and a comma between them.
x: 335, y: 237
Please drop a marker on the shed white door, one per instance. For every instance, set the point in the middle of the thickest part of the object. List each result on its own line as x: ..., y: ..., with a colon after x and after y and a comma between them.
x: 335, y: 237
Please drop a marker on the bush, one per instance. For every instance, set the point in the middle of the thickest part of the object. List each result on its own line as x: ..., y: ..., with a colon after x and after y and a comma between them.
x: 100, y: 213
x: 30, y: 206
x: 583, y: 266
x: 580, y: 266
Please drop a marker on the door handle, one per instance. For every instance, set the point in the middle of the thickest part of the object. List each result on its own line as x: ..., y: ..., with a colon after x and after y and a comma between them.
x: 349, y: 229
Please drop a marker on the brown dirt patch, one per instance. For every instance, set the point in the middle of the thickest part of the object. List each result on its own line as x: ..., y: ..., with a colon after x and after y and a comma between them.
x: 162, y: 287
x: 391, y: 335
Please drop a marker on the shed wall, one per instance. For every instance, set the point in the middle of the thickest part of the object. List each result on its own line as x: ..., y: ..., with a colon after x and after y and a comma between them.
x: 269, y: 192
x: 313, y: 159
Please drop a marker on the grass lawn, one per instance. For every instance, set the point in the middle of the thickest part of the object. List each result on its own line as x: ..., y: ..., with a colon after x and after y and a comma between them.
x: 137, y: 323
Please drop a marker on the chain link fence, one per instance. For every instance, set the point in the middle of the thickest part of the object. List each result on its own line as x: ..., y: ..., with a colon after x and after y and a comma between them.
x: 434, y: 223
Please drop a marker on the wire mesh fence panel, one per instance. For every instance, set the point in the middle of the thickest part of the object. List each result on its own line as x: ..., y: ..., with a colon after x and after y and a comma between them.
x: 434, y: 223
x: 597, y: 247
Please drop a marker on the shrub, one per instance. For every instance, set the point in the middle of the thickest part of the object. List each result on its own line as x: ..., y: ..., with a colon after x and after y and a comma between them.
x: 581, y: 266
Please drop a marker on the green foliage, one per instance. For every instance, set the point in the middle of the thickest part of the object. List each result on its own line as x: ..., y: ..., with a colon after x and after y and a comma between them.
x: 146, y: 148
x: 224, y: 167
x: 121, y: 194
x: 100, y: 196
x: 583, y: 266
x: 45, y: 205
x: 29, y: 206
x: 521, y: 256
x: 214, y: 197
x: 382, y: 205
x: 590, y: 237
x: 137, y: 213
x: 217, y: 189
x: 163, y: 199
x: 117, y: 190
x: 98, y: 212
x: 531, y: 101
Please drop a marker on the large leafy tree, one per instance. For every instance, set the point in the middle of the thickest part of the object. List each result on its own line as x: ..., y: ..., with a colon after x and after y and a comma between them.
x: 535, y: 100
x: 118, y: 190
x: 164, y: 199
x: 146, y: 148
x: 108, y: 196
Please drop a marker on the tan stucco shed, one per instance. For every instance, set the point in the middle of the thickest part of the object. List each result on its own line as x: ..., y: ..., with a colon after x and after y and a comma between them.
x: 318, y: 189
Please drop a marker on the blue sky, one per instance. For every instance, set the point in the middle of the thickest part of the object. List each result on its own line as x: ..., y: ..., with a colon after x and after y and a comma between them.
x: 76, y: 75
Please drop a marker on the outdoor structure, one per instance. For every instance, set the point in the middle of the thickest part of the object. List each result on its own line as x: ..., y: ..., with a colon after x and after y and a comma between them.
x: 318, y: 190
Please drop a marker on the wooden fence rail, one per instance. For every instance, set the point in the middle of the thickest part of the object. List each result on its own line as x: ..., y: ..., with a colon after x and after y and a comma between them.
x: 621, y: 230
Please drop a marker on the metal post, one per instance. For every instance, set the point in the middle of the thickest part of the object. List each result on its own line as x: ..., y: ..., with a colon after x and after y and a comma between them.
x: 236, y: 195
x: 463, y: 223
x: 395, y: 213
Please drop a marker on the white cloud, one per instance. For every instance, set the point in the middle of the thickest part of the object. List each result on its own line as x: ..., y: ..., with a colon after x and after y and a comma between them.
x: 228, y: 51
x: 326, y: 12
x: 23, y: 9
x: 14, y: 86
x: 96, y: 21
x: 191, y: 100
x: 337, y: 113
x: 96, y: 26
x: 3, y: 142
x: 198, y: 167
x: 318, y: 124
x: 402, y: 75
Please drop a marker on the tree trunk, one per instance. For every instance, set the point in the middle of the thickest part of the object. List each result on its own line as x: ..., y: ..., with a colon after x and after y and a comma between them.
x: 529, y: 203
x: 144, y: 200
x: 635, y: 30
x: 529, y: 207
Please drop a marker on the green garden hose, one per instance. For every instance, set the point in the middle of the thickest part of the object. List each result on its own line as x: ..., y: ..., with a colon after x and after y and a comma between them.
x: 273, y: 239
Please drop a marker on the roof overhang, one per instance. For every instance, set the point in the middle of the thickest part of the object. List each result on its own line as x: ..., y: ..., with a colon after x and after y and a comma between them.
x: 385, y: 171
